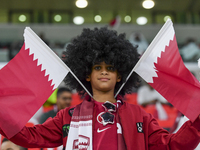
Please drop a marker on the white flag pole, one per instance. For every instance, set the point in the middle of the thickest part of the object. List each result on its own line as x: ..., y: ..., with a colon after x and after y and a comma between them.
x: 79, y: 81
x: 146, y: 53
x: 125, y: 81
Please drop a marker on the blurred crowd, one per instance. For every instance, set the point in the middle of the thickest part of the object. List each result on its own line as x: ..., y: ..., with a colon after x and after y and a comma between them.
x: 189, y: 50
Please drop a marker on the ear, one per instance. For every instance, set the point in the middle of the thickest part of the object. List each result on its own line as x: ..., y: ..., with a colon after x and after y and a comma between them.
x: 119, y: 78
x: 88, y: 78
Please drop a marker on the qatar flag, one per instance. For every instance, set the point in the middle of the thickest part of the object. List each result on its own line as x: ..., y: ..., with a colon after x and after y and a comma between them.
x: 162, y: 67
x: 27, y: 81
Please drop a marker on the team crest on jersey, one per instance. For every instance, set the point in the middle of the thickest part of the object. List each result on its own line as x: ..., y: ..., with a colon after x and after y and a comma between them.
x: 107, y: 117
x: 139, y: 127
x: 71, y: 111
x: 82, y: 143
x: 65, y: 129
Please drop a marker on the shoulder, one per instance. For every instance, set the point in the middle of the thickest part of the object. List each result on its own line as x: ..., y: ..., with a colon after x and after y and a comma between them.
x: 136, y: 110
x: 68, y: 112
x: 132, y: 107
x: 139, y: 115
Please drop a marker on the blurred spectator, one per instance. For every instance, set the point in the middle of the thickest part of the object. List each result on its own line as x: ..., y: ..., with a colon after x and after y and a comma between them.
x: 149, y: 96
x: 8, y: 145
x: 63, y: 56
x: 65, y: 46
x: 190, y: 51
x: 64, y: 98
x: 42, y: 36
x: 138, y: 39
x: 15, y: 48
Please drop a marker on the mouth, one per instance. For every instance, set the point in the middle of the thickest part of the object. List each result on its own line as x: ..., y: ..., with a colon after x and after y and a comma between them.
x: 104, y: 79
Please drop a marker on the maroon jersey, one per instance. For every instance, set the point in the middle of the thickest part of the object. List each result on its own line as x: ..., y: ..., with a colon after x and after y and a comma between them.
x: 140, y: 131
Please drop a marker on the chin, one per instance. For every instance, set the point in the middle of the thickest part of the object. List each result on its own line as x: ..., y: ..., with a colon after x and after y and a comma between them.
x: 106, y: 89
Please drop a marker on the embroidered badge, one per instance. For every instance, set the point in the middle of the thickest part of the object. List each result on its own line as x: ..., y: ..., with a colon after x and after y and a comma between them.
x: 65, y: 129
x: 71, y: 111
x: 139, y: 127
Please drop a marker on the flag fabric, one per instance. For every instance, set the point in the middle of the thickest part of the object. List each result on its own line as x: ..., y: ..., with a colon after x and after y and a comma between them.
x: 162, y: 67
x: 27, y: 81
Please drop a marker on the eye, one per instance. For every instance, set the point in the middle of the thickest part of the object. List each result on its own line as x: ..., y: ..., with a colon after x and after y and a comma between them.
x: 111, y: 68
x: 97, y: 67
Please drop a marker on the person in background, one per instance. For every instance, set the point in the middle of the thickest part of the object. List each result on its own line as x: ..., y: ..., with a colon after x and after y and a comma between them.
x: 149, y: 96
x: 190, y: 52
x: 8, y: 145
x: 138, y: 39
x: 64, y: 98
x: 43, y: 37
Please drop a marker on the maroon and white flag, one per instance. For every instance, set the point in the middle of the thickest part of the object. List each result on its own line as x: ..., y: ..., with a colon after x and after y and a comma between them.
x: 162, y: 67
x: 27, y: 81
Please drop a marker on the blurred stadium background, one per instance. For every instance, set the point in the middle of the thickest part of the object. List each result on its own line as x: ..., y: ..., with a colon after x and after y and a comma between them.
x: 61, y: 20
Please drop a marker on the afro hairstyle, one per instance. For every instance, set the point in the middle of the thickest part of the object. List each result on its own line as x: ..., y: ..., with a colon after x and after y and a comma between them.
x: 96, y: 46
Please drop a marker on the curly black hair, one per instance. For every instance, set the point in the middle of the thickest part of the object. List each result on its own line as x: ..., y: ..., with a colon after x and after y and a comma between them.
x: 98, y: 45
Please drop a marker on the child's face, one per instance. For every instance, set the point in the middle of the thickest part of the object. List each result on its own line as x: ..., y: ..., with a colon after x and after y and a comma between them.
x: 103, y: 77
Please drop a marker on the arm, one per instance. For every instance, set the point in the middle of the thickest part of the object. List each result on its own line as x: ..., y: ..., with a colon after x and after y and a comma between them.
x: 187, y: 138
x: 48, y: 134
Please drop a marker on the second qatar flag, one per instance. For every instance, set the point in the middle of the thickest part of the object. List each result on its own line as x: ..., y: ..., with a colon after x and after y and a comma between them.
x: 27, y: 81
x: 162, y: 67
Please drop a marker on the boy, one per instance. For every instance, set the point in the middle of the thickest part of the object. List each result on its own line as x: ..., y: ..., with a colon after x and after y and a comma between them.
x: 102, y: 60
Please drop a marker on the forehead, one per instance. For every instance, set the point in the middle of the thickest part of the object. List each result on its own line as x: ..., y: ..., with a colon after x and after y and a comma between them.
x: 103, y: 63
x: 65, y: 93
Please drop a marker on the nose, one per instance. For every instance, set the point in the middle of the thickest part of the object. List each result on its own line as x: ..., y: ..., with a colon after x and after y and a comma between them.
x: 104, y: 71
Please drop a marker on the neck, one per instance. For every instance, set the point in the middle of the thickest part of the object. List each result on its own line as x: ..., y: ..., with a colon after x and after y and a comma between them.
x: 104, y: 96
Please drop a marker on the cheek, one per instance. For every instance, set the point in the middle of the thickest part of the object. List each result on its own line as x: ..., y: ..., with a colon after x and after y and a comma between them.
x: 92, y: 78
x: 68, y: 102
x: 116, y: 77
x: 61, y: 102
